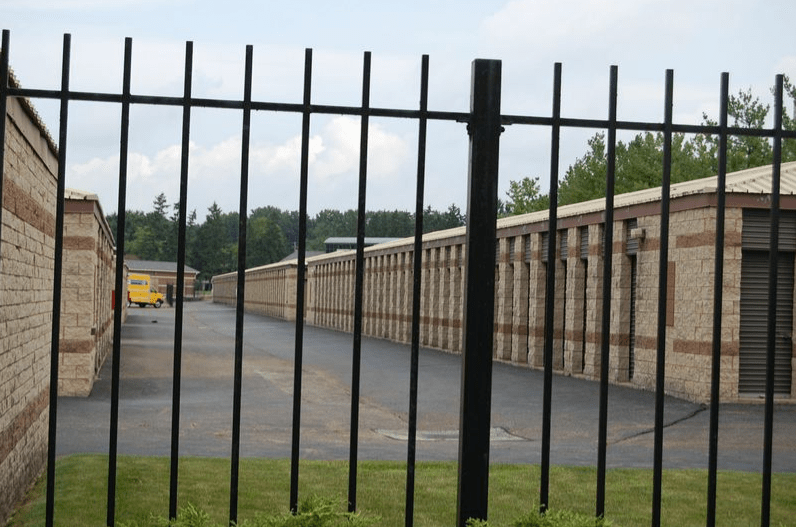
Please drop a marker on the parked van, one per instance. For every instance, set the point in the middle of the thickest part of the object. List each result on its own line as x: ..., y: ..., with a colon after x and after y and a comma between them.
x: 141, y: 291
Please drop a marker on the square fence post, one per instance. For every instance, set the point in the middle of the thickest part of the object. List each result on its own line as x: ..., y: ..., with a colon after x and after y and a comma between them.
x: 476, y: 388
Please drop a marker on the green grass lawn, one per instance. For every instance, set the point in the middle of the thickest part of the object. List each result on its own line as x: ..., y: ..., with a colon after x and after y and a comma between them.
x: 143, y: 483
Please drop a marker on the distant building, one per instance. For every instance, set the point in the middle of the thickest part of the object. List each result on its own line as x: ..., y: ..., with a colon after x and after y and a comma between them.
x: 164, y: 274
x: 342, y: 244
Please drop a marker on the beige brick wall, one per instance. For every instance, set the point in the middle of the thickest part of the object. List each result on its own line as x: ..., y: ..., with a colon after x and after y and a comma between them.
x: 575, y: 300
x: 519, y: 301
x: 594, y: 303
x: 689, y: 321
x: 270, y: 291
x: 536, y: 301
x: 86, y: 333
x: 26, y: 269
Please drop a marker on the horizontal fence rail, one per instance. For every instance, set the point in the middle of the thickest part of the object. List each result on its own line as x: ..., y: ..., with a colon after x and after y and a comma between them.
x: 484, y: 125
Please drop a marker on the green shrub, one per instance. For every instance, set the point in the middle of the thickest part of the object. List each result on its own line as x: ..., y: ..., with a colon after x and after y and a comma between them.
x: 560, y: 518
x: 312, y: 512
x: 188, y: 516
x: 550, y: 518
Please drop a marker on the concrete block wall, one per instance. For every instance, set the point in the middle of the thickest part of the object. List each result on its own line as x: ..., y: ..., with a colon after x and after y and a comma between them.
x: 26, y: 272
x: 270, y: 290
x: 536, y: 302
x: 88, y: 281
x: 592, y: 356
x: 689, y: 313
x: 575, y: 336
x: 619, y: 362
x: 518, y: 352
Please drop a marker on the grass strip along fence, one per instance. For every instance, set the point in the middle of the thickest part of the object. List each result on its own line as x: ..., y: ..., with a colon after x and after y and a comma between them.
x: 144, y: 484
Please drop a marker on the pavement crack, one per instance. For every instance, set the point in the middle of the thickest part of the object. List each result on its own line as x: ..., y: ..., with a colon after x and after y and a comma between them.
x: 647, y: 431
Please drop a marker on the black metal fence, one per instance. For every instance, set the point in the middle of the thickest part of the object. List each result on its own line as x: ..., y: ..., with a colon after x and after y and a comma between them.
x: 484, y: 124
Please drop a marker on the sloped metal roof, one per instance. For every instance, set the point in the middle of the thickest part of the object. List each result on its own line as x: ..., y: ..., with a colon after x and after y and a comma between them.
x: 353, y: 239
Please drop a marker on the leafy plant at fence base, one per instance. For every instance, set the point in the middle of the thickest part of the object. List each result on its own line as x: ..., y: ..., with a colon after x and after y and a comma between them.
x: 314, y: 511
x: 188, y: 516
x: 551, y: 518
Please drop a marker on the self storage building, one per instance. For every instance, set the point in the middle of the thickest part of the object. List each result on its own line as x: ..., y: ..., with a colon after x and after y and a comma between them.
x: 635, y: 281
x: 520, y: 266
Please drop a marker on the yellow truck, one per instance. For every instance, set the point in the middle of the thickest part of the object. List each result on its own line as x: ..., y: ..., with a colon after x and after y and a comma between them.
x: 141, y: 291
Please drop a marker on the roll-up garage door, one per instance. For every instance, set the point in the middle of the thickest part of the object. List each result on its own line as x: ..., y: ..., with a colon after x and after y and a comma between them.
x: 584, y: 243
x: 757, y: 230
x: 545, y: 245
x: 754, y: 321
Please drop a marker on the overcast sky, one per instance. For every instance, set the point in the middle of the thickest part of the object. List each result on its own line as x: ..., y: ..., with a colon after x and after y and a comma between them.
x: 698, y: 39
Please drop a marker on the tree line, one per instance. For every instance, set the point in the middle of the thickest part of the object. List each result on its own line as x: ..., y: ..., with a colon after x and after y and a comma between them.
x: 639, y: 161
x: 211, y: 247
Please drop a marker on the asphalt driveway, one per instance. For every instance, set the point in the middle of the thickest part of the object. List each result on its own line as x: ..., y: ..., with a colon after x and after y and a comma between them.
x: 207, y: 390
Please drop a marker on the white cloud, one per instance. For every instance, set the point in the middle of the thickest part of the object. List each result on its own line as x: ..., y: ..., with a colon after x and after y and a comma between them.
x: 387, y: 153
x: 214, y: 171
x: 786, y: 65
x: 338, y: 151
x: 529, y: 26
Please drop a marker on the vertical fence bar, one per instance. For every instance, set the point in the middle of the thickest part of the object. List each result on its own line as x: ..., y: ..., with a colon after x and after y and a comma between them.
x: 718, y: 289
x: 605, y: 352
x: 302, y: 252
x: 773, y: 264
x: 479, y: 294
x: 3, y: 109
x: 121, y: 218
x: 178, y: 314
x: 57, y: 268
x: 241, y: 296
x: 416, y: 283
x: 359, y: 285
x: 550, y: 286
x: 662, y: 288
